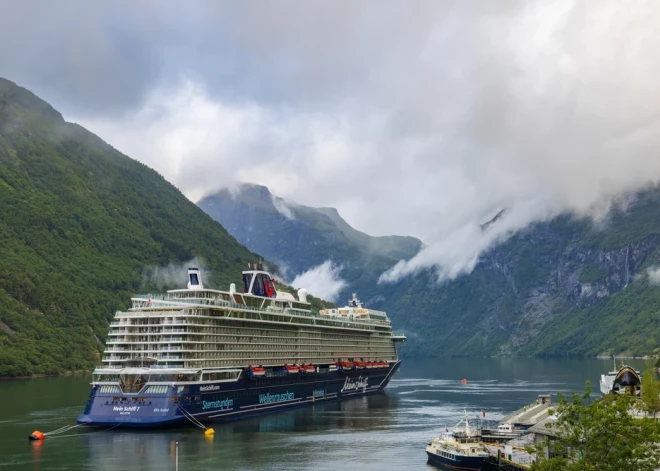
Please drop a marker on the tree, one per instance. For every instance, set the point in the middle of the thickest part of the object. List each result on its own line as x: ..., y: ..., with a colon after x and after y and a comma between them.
x: 650, y: 391
x: 601, y: 435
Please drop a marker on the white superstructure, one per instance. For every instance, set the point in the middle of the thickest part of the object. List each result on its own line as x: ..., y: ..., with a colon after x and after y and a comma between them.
x: 203, y: 328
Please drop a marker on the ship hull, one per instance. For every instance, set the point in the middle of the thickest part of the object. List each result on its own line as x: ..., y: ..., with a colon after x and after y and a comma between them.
x: 467, y: 463
x: 227, y: 401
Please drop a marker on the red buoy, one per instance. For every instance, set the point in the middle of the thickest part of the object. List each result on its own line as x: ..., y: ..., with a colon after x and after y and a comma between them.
x: 464, y: 381
x: 37, y: 435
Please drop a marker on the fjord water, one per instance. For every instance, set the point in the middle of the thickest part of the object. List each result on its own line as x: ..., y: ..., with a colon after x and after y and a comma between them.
x: 387, y: 431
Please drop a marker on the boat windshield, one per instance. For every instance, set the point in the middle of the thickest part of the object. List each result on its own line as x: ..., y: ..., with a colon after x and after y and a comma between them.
x: 247, y: 279
x: 132, y: 383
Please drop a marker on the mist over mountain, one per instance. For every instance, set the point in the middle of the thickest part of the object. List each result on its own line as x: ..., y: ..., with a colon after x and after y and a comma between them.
x: 314, y: 242
x: 566, y: 286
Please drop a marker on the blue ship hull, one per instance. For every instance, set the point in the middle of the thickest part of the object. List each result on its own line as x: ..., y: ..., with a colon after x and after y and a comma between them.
x: 225, y: 401
x: 467, y: 463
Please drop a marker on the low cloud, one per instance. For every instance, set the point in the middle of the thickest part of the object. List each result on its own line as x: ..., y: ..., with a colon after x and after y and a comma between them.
x: 421, y: 124
x: 282, y: 207
x: 173, y: 275
x: 322, y: 281
x: 654, y: 275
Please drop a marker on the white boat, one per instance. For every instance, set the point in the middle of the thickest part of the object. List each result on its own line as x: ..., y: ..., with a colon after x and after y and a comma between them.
x: 460, y: 448
x: 623, y: 380
x: 221, y: 355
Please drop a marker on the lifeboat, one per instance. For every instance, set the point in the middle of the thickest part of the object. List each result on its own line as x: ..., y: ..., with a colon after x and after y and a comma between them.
x: 383, y: 364
x: 257, y: 371
x: 370, y: 365
x: 310, y: 369
x: 359, y: 365
x: 346, y: 365
x: 291, y: 369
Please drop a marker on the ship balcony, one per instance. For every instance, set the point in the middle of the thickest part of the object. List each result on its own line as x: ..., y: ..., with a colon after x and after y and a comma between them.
x: 169, y: 357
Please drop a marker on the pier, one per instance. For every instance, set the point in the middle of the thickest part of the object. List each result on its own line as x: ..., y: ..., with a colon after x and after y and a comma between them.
x: 531, y: 414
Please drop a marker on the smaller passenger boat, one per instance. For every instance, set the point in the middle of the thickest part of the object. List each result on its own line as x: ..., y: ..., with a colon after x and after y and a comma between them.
x: 624, y: 380
x: 458, y: 448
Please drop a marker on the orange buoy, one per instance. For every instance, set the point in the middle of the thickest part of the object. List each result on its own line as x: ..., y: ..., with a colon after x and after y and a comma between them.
x: 37, y: 435
x: 464, y: 381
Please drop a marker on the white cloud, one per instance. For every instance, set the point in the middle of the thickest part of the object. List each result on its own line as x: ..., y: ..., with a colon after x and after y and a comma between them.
x: 422, y: 123
x: 322, y: 281
x: 173, y: 275
x: 282, y: 207
x: 654, y: 275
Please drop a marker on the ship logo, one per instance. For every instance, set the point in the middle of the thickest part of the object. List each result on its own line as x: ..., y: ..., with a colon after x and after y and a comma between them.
x: 354, y: 385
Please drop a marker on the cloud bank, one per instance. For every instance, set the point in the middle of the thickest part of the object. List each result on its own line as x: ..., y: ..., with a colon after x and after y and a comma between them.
x: 422, y: 120
x: 322, y: 281
x: 654, y: 275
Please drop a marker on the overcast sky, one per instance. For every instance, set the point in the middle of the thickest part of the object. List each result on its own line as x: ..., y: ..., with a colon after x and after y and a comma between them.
x: 415, y: 118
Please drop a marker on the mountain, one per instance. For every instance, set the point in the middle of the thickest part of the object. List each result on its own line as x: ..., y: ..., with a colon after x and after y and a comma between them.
x: 82, y: 227
x: 300, y: 237
x: 562, y: 287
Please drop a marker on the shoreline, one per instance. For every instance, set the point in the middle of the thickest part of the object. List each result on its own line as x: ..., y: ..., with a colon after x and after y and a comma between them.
x: 47, y: 375
x: 597, y: 357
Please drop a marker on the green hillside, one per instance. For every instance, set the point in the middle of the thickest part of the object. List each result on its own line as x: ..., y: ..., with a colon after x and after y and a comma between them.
x: 79, y: 225
x: 561, y: 287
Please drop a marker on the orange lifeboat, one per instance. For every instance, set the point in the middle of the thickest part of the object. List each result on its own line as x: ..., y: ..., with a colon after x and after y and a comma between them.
x: 346, y: 365
x: 291, y: 369
x: 310, y: 369
x: 359, y: 364
x: 383, y: 364
x: 257, y: 371
x: 370, y: 365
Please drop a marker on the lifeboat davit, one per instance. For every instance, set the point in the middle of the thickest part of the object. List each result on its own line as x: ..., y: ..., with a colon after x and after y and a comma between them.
x: 291, y: 369
x: 257, y: 371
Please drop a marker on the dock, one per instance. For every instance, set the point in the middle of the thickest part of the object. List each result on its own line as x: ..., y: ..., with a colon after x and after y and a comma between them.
x: 531, y: 414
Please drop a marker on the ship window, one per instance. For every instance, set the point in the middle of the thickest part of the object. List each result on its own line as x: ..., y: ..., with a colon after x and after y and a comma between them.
x: 247, y: 278
x: 259, y: 288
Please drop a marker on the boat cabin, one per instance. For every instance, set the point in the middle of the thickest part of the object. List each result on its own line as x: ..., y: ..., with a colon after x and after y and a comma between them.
x: 258, y: 282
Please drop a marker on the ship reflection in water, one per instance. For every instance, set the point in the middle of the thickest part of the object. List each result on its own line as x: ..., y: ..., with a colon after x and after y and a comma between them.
x: 282, y: 438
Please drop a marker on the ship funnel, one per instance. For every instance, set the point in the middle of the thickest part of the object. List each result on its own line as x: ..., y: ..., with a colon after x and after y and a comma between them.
x: 302, y: 295
x: 195, y: 279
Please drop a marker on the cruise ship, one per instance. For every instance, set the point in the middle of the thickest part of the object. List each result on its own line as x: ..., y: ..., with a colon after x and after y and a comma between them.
x: 205, y: 355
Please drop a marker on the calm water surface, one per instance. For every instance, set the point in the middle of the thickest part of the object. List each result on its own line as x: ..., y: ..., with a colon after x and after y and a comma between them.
x: 387, y: 431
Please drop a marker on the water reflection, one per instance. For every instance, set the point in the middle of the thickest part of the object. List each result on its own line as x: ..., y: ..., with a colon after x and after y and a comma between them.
x: 382, y: 432
x: 291, y: 437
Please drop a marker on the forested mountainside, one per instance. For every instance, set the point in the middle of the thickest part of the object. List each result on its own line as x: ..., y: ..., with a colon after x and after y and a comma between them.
x: 563, y: 287
x: 80, y: 226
